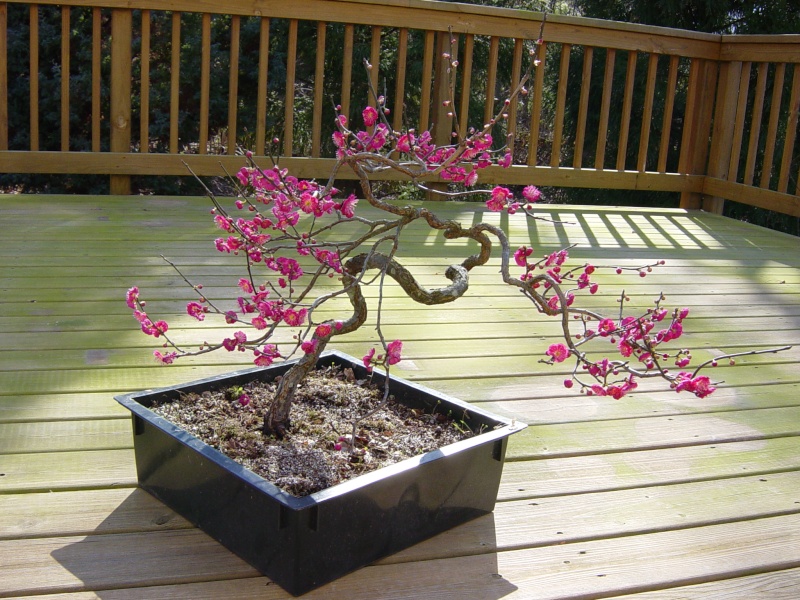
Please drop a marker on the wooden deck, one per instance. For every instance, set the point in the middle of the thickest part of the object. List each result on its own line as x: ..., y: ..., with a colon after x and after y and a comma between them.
x: 657, y: 496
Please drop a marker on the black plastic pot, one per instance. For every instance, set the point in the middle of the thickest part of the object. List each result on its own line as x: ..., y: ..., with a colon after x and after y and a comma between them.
x: 302, y: 543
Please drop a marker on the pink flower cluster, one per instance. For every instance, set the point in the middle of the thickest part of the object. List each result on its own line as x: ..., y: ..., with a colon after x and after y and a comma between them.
x: 502, y: 199
x: 392, y: 357
x: 153, y: 328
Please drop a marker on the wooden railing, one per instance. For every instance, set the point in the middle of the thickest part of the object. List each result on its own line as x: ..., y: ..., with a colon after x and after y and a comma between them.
x: 610, y: 106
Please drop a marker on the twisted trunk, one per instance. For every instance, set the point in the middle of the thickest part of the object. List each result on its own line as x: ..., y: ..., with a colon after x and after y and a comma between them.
x: 276, y: 421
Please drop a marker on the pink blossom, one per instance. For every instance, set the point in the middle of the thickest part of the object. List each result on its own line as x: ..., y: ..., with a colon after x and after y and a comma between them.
x: 323, y: 330
x: 699, y: 386
x: 393, y: 352
x: 472, y: 178
x: 531, y: 193
x: 309, y: 346
x: 703, y: 387
x: 289, y: 267
x: 243, y: 175
x: 558, y: 352
x: 522, y: 254
x: 348, y: 206
x: 196, y: 310
x: 625, y: 349
x: 370, y: 116
x: 367, y: 360
x: 339, y: 139
x: 155, y: 329
x: 329, y: 258
x: 165, y: 359
x: 505, y: 162
x: 259, y: 323
x: 223, y: 223
x: 404, y: 142
x: 245, y: 286
x: 308, y: 203
x: 557, y: 258
x: 606, y: 327
x: 132, y: 297
x: 266, y: 356
x: 499, y: 199
x: 238, y: 341
x: 232, y: 244
x: 294, y: 318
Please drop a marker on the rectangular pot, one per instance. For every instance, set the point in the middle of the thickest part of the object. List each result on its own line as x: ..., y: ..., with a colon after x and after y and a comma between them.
x: 303, y: 543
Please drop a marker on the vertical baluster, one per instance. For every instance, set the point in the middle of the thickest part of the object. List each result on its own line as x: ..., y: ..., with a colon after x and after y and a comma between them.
x: 669, y: 106
x: 347, y: 69
x: 65, y: 66
x: 755, y: 123
x: 205, y: 80
x: 536, y: 111
x: 233, y: 84
x: 263, y: 71
x: 144, y: 113
x: 427, y: 76
x: 291, y: 66
x: 791, y: 131
x: 400, y: 79
x: 375, y: 63
x: 466, y: 84
x: 97, y: 58
x: 738, y: 127
x: 516, y: 75
x: 319, y: 80
x: 175, y: 80
x: 561, y: 100
x: 772, y: 126
x: 583, y: 106
x: 605, y: 107
x: 491, y: 79
x: 627, y: 104
x: 647, y: 114
x: 34, y: 76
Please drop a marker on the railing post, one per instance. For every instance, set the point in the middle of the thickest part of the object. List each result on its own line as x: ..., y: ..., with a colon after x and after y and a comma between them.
x: 121, y: 37
x: 730, y: 79
x: 697, y: 126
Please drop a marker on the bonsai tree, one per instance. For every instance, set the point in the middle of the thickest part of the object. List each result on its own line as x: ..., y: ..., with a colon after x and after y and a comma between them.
x: 291, y: 235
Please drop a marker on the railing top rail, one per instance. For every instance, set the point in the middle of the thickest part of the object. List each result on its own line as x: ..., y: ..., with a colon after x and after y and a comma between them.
x: 433, y: 15
x: 761, y: 48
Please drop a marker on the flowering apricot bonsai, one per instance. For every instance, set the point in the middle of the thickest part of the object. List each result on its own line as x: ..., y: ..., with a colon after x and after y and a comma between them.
x: 292, y: 234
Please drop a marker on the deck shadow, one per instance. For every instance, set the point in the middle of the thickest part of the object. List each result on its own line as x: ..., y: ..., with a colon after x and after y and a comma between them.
x: 172, y: 559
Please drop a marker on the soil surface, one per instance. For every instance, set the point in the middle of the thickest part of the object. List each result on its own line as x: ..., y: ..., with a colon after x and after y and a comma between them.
x: 340, y: 428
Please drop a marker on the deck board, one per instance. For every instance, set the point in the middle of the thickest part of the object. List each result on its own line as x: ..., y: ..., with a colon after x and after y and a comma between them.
x: 658, y: 496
